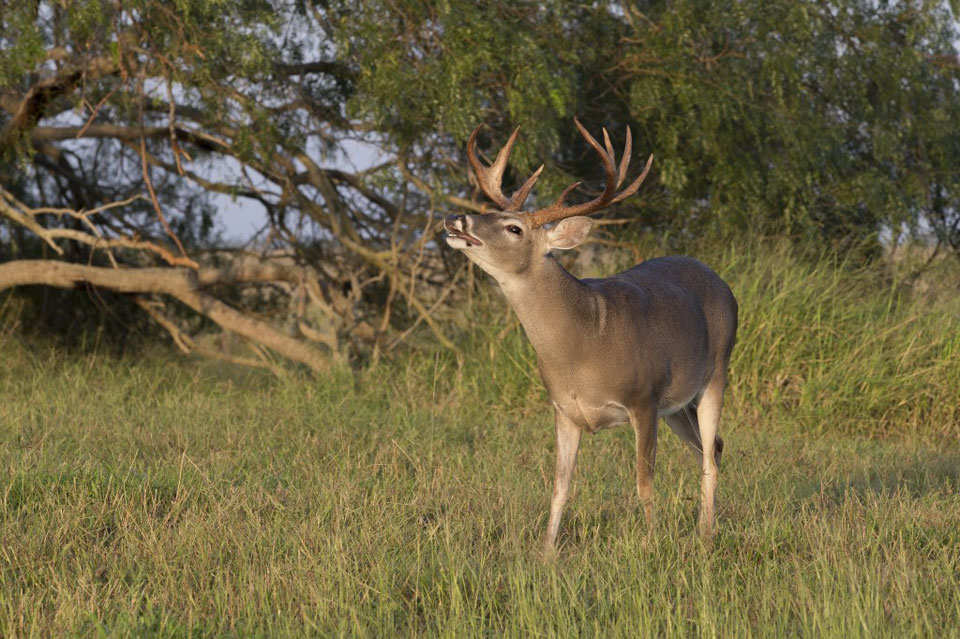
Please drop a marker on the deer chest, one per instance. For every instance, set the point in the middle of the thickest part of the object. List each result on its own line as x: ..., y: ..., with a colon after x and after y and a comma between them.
x: 591, y: 416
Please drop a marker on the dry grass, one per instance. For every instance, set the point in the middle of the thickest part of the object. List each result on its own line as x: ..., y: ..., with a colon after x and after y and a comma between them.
x: 164, y: 499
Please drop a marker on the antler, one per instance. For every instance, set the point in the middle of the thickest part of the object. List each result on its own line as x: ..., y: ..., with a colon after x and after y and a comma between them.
x: 489, y: 178
x: 557, y: 211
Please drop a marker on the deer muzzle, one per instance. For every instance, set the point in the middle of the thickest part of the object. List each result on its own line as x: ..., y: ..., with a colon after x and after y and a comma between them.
x: 456, y: 227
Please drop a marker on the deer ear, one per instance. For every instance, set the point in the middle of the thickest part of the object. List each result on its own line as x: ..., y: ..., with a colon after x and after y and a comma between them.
x: 569, y: 232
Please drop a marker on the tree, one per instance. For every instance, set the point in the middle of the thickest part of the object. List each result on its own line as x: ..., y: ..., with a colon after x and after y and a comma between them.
x: 837, y: 120
x: 125, y: 126
x: 121, y: 119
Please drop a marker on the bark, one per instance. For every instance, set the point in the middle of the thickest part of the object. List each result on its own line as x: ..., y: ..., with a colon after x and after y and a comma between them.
x: 182, y: 284
x: 35, y: 102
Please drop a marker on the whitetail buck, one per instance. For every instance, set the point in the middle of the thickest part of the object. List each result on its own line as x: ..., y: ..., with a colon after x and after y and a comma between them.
x: 653, y: 341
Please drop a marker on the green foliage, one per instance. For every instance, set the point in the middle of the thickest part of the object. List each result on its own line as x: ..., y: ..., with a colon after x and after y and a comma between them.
x: 799, y: 116
x: 802, y: 118
x: 441, y: 68
x: 792, y: 117
x: 25, y: 50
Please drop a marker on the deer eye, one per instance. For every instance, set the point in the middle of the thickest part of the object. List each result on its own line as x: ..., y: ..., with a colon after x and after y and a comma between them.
x: 516, y: 230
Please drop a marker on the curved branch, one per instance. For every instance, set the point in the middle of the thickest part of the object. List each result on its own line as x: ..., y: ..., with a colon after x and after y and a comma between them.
x: 105, y: 243
x: 188, y: 345
x: 34, y: 103
x: 204, y: 141
x: 181, y: 284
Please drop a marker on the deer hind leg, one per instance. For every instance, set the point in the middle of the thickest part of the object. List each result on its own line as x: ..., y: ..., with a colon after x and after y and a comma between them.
x: 644, y: 422
x: 684, y: 423
x: 708, y: 417
x: 568, y: 442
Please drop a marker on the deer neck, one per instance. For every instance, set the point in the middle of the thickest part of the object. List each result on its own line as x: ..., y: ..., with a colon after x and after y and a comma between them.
x: 552, y: 305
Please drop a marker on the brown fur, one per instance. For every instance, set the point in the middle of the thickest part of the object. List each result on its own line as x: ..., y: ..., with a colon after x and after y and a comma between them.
x: 653, y: 341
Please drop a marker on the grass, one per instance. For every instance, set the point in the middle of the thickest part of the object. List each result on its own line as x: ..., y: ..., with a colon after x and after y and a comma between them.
x: 161, y: 498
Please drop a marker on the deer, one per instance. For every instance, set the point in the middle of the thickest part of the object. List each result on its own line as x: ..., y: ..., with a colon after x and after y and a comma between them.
x: 653, y: 341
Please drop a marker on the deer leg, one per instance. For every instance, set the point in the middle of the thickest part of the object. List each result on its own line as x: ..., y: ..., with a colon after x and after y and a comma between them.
x: 644, y: 422
x: 568, y: 442
x: 684, y: 424
x: 708, y: 416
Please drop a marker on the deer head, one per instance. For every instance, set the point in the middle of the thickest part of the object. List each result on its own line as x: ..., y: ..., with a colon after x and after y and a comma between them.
x: 510, y: 242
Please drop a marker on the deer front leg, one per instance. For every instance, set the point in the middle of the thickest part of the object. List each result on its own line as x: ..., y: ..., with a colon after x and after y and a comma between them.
x: 644, y: 422
x: 568, y: 442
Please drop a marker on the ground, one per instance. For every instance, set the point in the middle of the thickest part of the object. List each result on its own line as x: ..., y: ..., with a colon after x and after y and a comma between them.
x: 165, y: 499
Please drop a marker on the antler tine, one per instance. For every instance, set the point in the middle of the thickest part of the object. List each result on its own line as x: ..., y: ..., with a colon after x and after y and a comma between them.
x: 563, y: 196
x: 607, y: 159
x: 630, y: 190
x: 625, y: 160
x: 520, y: 195
x: 609, y: 145
x: 614, y: 178
x: 500, y: 163
x: 490, y: 178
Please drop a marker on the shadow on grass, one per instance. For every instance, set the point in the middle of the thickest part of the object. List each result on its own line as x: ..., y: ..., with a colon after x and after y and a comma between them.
x: 909, y: 473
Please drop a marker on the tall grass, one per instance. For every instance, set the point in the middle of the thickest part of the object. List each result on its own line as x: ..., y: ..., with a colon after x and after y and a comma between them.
x: 823, y: 347
x: 159, y: 498
x: 831, y: 348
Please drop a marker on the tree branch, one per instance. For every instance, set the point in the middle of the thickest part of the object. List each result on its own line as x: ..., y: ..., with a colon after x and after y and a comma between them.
x: 37, y: 99
x: 55, y: 134
x: 181, y: 284
x: 187, y: 344
x: 452, y: 199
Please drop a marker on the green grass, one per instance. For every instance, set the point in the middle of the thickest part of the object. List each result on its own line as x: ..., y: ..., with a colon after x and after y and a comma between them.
x: 161, y: 498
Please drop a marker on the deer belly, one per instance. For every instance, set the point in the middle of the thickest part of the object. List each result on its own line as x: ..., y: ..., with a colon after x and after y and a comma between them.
x: 592, y: 417
x: 665, y: 410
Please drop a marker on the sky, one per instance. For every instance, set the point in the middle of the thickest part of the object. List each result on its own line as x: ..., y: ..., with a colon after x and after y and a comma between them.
x: 240, y: 218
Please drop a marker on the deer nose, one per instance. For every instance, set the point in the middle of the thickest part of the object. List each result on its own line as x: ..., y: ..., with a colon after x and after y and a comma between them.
x: 454, y: 222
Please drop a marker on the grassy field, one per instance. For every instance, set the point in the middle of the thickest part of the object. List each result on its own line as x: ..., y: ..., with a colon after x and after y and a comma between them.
x: 164, y: 498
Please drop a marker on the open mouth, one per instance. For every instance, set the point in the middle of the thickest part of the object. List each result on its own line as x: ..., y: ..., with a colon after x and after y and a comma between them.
x: 463, y: 235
